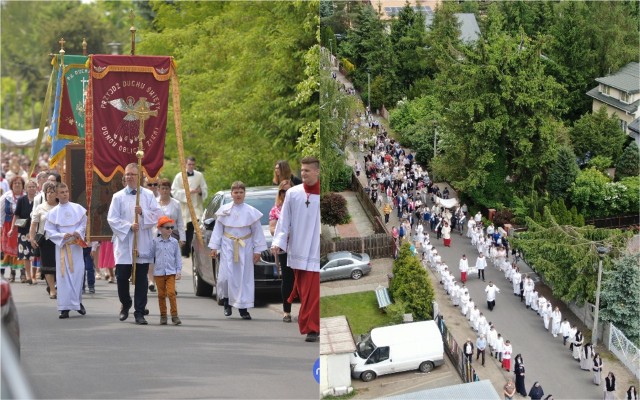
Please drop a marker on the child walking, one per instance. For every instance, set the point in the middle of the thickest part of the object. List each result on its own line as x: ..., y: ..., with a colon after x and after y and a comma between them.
x: 167, y: 269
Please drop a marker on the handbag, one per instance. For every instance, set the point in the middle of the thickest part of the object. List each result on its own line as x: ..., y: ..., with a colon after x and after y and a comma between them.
x: 21, y: 222
x: 39, y: 239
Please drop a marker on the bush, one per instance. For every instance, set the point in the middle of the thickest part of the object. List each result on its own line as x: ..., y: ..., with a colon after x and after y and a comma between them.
x: 333, y: 209
x: 629, y: 163
x: 342, y: 180
x: 411, y: 285
x: 502, y: 217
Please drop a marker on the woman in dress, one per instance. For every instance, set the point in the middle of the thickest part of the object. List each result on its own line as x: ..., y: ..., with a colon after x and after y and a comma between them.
x: 586, y: 357
x: 23, y: 210
x: 286, y: 272
x: 47, y: 247
x: 9, y: 240
x: 610, y: 387
x: 519, y: 371
x: 597, y: 369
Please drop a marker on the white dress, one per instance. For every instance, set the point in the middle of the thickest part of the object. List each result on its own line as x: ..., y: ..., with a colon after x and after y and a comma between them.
x: 63, y: 219
x: 237, y: 236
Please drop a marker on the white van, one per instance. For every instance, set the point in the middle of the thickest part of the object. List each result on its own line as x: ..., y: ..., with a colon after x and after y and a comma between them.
x: 398, y: 348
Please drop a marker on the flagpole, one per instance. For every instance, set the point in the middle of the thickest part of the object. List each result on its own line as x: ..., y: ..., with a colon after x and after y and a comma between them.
x: 142, y: 114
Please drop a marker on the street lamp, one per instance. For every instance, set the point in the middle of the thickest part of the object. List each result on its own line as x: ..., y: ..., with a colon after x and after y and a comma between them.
x: 602, y: 251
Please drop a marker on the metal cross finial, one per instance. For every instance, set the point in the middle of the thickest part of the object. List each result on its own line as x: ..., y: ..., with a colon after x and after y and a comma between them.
x: 84, y: 46
x: 62, y: 42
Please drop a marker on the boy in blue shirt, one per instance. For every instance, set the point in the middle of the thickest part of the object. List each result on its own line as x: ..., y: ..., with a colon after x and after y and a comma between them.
x: 167, y: 268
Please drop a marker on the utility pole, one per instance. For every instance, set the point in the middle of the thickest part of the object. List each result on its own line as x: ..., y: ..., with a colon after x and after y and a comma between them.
x: 602, y: 251
x: 369, y: 90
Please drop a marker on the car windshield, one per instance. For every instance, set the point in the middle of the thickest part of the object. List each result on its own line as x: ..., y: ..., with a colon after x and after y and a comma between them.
x: 263, y: 204
x: 323, y: 260
x: 365, y: 347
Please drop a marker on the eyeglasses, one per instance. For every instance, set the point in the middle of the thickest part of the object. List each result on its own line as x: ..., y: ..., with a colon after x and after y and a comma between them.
x: 130, y: 174
x: 168, y: 227
x: 152, y: 184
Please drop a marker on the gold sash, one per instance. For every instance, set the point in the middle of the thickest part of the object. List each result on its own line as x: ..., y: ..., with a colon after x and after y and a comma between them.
x: 66, y: 251
x: 237, y: 242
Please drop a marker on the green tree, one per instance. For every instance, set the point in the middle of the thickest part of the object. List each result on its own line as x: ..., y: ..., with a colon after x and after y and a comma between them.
x: 588, y: 193
x: 562, y: 173
x: 502, y: 118
x: 368, y: 49
x: 246, y: 72
x: 619, y: 301
x: 411, y: 285
x: 337, y: 110
x: 566, y: 256
x: 629, y: 162
x: 408, y: 41
x: 598, y: 134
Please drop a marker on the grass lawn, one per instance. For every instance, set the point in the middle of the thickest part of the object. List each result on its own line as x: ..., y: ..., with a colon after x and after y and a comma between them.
x: 361, y: 310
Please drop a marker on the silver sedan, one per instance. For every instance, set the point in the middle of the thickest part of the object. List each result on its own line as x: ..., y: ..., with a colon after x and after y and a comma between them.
x: 343, y: 265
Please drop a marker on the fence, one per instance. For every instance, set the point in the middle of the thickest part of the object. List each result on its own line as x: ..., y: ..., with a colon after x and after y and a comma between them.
x: 376, y: 246
x: 622, y: 221
x: 624, y: 349
x: 464, y: 368
x: 373, y: 213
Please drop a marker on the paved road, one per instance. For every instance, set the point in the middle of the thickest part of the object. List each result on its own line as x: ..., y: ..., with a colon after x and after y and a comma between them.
x: 209, y: 356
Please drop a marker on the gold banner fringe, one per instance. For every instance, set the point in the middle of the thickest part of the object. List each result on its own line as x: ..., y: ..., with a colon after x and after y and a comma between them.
x: 175, y: 92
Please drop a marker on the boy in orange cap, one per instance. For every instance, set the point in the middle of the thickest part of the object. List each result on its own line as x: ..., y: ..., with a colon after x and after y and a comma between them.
x: 167, y: 268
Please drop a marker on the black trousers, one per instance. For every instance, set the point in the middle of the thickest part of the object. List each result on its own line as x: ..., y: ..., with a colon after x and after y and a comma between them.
x: 481, y: 273
x: 491, y: 304
x: 287, y: 282
x: 186, y: 250
x: 480, y: 352
x: 469, y: 357
x: 123, y: 273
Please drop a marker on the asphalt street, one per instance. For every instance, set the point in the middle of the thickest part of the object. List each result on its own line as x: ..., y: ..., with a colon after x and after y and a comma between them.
x: 209, y: 356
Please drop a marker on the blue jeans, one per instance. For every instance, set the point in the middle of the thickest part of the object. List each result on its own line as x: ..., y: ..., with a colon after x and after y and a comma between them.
x: 90, y: 273
x: 123, y: 273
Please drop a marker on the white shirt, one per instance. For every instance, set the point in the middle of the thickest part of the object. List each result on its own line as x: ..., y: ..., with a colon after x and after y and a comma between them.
x: 197, y: 199
x: 491, y: 292
x: 121, y: 217
x: 298, y: 229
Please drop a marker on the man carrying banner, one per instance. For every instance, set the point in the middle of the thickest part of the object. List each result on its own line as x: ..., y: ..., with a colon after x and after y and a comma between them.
x: 198, y: 192
x: 121, y: 219
x: 298, y: 233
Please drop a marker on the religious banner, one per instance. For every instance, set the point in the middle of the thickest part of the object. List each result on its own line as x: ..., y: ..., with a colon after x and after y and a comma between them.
x: 127, y: 106
x: 69, y: 107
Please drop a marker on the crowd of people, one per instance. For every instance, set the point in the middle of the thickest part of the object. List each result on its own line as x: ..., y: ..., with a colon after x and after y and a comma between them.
x: 396, y: 183
x: 43, y: 235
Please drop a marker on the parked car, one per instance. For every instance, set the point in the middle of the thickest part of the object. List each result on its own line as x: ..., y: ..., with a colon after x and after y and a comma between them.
x: 343, y: 265
x: 205, y: 269
x: 10, y: 325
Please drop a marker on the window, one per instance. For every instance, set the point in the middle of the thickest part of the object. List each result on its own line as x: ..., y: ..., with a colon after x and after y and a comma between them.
x: 604, y: 89
x: 380, y: 354
x: 345, y: 262
x: 623, y: 125
x: 624, y: 97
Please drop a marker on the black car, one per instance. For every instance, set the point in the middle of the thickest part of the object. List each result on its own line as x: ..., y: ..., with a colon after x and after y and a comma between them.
x: 205, y: 269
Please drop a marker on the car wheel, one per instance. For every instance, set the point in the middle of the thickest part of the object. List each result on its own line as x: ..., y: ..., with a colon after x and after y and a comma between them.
x: 426, y: 366
x: 200, y: 287
x: 368, y: 376
x: 356, y: 274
